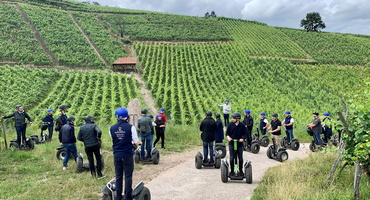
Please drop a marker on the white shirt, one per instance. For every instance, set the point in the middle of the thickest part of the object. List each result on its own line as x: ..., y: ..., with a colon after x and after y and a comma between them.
x: 226, y: 108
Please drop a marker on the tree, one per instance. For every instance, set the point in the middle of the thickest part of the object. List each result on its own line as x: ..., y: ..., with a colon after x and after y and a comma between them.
x: 120, y: 23
x: 95, y: 3
x: 313, y: 22
x: 206, y: 15
x: 213, y: 14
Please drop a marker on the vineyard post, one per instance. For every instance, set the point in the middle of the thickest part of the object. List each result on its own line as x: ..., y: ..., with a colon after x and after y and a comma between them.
x: 2, y: 124
x: 356, y: 185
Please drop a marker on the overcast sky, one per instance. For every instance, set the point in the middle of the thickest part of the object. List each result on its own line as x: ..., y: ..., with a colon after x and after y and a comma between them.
x: 346, y: 16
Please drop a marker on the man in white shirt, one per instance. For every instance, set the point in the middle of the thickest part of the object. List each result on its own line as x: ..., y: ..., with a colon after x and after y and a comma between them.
x: 226, y: 109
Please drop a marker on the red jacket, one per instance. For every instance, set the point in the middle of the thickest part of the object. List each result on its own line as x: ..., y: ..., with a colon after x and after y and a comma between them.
x: 163, y: 118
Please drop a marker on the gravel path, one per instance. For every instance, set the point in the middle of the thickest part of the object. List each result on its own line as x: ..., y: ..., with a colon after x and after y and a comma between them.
x: 179, y: 179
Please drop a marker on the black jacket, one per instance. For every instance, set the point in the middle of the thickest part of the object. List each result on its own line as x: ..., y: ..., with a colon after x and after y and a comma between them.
x: 158, y: 123
x: 19, y: 118
x: 89, y: 134
x: 49, y: 118
x: 219, y: 130
x: 236, y: 131
x: 67, y: 134
x: 61, y: 120
x: 248, y: 121
x: 208, y: 128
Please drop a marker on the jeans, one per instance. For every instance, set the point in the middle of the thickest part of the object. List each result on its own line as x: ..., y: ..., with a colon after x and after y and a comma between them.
x: 207, y: 145
x: 21, y: 132
x: 289, y: 134
x: 318, y: 138
x: 160, y: 135
x: 226, y: 119
x: 50, y: 129
x: 263, y: 131
x: 239, y: 153
x: 249, y: 137
x: 70, y: 149
x: 90, y: 152
x: 124, y: 165
x: 147, y: 140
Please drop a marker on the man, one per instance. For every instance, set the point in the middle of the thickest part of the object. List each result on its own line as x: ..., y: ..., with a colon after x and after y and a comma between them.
x: 226, y: 109
x: 61, y: 118
x: 68, y: 139
x: 219, y: 129
x: 20, y: 123
x: 328, y: 132
x: 248, y: 122
x: 275, y: 130
x: 50, y: 121
x: 264, y: 123
x: 236, y: 131
x: 288, y: 124
x: 145, y: 126
x: 208, y: 128
x: 316, y: 127
x: 90, y: 135
x: 123, y: 134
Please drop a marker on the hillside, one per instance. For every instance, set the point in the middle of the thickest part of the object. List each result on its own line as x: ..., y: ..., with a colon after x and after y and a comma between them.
x: 188, y: 63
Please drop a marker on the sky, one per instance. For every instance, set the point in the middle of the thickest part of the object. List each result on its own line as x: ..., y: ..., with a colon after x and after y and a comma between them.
x: 344, y: 16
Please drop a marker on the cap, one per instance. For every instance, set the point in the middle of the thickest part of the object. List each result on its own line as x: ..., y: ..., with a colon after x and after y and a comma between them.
x: 262, y: 113
x: 49, y: 110
x: 287, y: 112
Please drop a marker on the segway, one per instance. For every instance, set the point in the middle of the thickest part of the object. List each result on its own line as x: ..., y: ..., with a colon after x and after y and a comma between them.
x: 254, y: 148
x: 154, y: 153
x: 314, y: 147
x: 225, y: 176
x: 280, y: 155
x: 140, y: 192
x: 28, y: 145
x: 81, y: 166
x: 335, y: 140
x: 43, y: 136
x: 264, y: 141
x: 221, y: 149
x: 61, y: 153
x: 294, y: 143
x: 199, y: 162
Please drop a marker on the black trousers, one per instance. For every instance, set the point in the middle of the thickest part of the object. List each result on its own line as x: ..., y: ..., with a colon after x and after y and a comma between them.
x: 21, y: 133
x: 91, y: 151
x: 50, y: 129
x: 226, y: 119
x: 160, y: 135
x: 249, y: 137
x: 239, y: 154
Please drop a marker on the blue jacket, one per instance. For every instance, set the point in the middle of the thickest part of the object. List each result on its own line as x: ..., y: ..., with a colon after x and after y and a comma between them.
x: 219, y: 130
x: 121, y: 134
x: 67, y: 134
x: 287, y: 121
x: 49, y: 118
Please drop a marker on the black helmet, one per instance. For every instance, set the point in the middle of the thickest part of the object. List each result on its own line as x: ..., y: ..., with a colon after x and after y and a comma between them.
x: 236, y: 116
x: 71, y: 119
x: 274, y: 115
x: 209, y: 114
x: 144, y: 111
x: 62, y: 107
x: 18, y: 106
x: 89, y: 118
x: 218, y: 115
x: 151, y: 116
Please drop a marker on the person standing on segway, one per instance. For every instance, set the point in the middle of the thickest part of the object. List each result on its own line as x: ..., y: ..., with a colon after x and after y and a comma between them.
x: 20, y: 123
x: 288, y: 124
x: 90, y: 135
x: 219, y: 129
x: 145, y: 127
x: 61, y: 118
x: 226, y: 109
x: 208, y: 128
x: 50, y: 121
x: 264, y: 123
x: 275, y: 130
x: 248, y: 122
x: 236, y: 131
x: 68, y: 139
x: 316, y: 128
x: 328, y: 131
x: 123, y: 134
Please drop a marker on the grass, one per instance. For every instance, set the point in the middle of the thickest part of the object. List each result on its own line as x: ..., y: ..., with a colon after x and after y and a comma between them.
x: 37, y: 174
x: 306, y: 179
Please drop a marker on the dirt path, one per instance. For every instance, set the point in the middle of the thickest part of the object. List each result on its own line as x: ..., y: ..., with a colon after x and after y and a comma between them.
x: 176, y: 177
x: 147, y: 96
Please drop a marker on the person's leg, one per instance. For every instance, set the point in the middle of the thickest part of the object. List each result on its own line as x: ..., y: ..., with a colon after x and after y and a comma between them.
x: 23, y: 130
x: 291, y: 134
x: 318, y: 138
x: 231, y: 152
x: 90, y: 157
x: 225, y: 120
x: 143, y: 139
x: 19, y: 134
x: 128, y: 168
x: 249, y: 138
x: 149, y: 141
x: 68, y: 153
x: 205, y: 151
x: 118, y: 168
x: 96, y: 151
x: 240, y: 157
x: 210, y: 144
x: 287, y: 135
x: 263, y: 132
x: 50, y: 129
x: 157, y: 136
x: 162, y: 139
x: 73, y: 149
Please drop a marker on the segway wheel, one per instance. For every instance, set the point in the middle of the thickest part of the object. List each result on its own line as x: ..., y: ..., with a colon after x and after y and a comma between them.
x: 312, y: 147
x: 282, y: 156
x: 106, y: 197
x: 198, y: 160
x: 265, y: 141
x: 137, y: 157
x: 221, y: 151
x: 13, y: 146
x: 61, y: 153
x: 255, y: 148
x: 248, y: 174
x: 35, y: 140
x: 294, y: 145
x: 284, y: 142
x: 79, y: 164
x: 269, y: 152
x: 102, y: 161
x: 155, y: 157
x: 217, y: 162
x: 224, y: 171
x: 30, y: 144
x: 144, y: 194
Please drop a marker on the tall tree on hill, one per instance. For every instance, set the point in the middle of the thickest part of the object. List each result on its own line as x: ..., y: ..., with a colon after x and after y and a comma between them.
x: 213, y: 14
x: 206, y: 15
x: 313, y: 22
x: 120, y: 23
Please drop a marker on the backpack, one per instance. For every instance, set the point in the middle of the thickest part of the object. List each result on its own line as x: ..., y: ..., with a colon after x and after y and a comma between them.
x: 58, y: 122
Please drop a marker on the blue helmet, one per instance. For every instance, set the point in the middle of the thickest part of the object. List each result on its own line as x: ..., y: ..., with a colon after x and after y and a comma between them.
x: 159, y: 115
x: 287, y: 112
x: 121, y: 113
x: 247, y: 111
x: 49, y: 110
x: 262, y: 113
x: 227, y: 100
x: 326, y: 114
x: 162, y: 109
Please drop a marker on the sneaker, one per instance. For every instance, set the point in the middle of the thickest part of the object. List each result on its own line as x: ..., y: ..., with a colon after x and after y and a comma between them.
x: 64, y: 168
x: 163, y: 147
x: 241, y: 174
x: 101, y: 176
x: 231, y: 174
x: 211, y: 162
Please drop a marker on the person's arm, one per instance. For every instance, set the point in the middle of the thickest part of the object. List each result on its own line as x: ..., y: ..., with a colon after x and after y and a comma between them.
x: 9, y: 116
x: 60, y: 136
x: 79, y: 137
x: 228, y: 133
x: 267, y: 124
x: 291, y: 122
x: 201, y: 126
x: 134, y: 136
x: 244, y: 132
x: 98, y: 132
x: 28, y: 117
x: 72, y: 132
x: 250, y: 122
